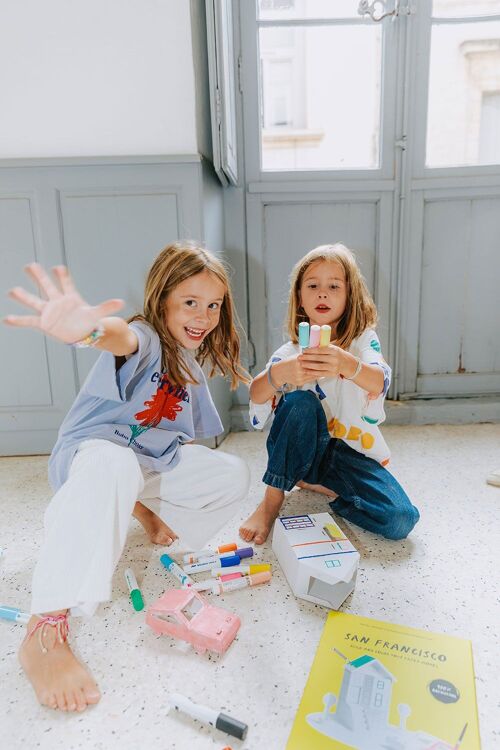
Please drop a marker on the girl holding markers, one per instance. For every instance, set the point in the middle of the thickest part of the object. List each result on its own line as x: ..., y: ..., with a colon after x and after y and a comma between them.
x: 124, y: 447
x: 328, y: 403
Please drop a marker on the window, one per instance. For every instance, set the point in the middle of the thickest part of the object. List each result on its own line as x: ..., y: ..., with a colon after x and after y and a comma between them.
x: 464, y: 84
x: 192, y: 608
x: 320, y: 86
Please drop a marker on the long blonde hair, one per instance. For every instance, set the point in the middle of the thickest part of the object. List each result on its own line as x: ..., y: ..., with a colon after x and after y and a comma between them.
x: 360, y: 312
x: 221, y: 347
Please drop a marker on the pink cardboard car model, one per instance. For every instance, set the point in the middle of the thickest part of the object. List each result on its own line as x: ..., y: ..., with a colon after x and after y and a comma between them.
x: 183, y: 613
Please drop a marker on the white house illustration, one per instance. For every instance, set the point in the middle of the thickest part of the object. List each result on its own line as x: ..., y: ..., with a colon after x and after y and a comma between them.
x: 361, y: 716
x: 365, y: 695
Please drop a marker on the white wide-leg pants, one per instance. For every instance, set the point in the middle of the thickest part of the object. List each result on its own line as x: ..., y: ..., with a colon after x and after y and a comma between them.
x: 87, y: 521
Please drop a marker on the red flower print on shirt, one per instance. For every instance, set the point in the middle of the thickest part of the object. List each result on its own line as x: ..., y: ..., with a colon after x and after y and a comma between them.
x: 163, y: 404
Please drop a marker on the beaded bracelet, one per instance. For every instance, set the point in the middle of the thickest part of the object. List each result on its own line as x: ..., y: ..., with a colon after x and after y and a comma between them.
x: 91, y: 339
x: 357, y: 371
x: 280, y: 389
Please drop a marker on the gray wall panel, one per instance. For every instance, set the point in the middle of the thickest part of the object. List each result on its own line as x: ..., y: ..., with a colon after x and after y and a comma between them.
x: 110, y: 241
x: 24, y: 375
x: 459, y: 346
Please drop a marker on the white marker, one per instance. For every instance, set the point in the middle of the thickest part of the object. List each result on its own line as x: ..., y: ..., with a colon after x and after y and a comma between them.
x: 222, y: 563
x: 209, y: 716
x: 245, y: 570
x: 222, y: 587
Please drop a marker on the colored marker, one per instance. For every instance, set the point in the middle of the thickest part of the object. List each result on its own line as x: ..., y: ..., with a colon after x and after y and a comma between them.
x: 246, y: 570
x: 325, y: 335
x: 176, y: 571
x: 230, y: 576
x: 222, y: 587
x: 222, y: 562
x: 314, y: 336
x: 223, y: 549
x: 215, y: 556
x: 134, y: 590
x: 15, y: 615
x: 209, y: 716
x: 303, y: 335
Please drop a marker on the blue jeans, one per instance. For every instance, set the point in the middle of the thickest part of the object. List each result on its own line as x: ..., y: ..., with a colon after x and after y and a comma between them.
x: 301, y: 449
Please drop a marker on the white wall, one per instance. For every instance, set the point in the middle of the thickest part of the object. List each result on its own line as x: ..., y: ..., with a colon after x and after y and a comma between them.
x: 96, y: 78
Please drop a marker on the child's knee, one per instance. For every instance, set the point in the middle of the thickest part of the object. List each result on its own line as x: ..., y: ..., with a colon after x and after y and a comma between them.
x: 402, y: 523
x: 301, y: 405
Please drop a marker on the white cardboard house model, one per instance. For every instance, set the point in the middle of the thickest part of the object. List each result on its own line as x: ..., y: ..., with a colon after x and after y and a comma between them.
x: 318, y: 560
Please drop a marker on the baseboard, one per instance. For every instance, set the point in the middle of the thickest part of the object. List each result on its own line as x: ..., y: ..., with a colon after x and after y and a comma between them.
x: 417, y: 411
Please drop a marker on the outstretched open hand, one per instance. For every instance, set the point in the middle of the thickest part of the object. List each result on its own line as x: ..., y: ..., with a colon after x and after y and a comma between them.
x: 64, y: 314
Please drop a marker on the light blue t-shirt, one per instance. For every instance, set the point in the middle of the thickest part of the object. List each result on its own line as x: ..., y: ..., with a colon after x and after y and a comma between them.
x: 136, y: 406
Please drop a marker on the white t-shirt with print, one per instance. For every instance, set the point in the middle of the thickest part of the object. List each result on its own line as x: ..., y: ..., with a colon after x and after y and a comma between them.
x: 351, y: 415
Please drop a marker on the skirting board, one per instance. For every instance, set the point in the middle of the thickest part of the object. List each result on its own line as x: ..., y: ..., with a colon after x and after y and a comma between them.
x: 416, y: 411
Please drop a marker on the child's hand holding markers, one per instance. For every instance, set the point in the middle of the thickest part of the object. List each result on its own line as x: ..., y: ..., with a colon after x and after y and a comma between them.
x: 323, y: 362
x: 294, y: 372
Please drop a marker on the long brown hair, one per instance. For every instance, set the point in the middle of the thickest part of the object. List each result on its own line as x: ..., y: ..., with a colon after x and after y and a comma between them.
x: 221, y: 347
x: 360, y: 312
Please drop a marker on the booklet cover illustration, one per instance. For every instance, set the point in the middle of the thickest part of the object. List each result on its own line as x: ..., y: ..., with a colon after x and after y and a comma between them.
x: 379, y: 686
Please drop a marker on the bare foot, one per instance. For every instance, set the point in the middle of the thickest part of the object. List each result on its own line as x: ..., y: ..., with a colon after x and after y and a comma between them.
x: 317, y: 488
x: 259, y: 524
x: 58, y: 678
x: 156, y: 529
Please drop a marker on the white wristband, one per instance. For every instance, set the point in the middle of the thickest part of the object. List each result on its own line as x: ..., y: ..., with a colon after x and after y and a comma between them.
x: 356, y: 372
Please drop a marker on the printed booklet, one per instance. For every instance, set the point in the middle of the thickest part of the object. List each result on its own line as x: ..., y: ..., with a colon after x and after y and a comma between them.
x: 378, y: 686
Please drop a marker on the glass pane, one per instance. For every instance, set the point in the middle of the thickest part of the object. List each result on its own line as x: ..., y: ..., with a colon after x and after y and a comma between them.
x: 464, y: 8
x: 464, y: 95
x: 320, y: 97
x: 286, y: 9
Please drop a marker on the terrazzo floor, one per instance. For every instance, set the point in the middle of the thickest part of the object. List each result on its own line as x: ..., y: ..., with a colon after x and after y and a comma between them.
x: 443, y: 578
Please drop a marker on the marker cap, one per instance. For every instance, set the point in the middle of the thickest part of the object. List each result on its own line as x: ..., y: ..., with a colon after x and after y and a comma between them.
x: 231, y: 726
x: 314, y: 336
x: 137, y: 600
x: 228, y: 562
x: 244, y: 552
x: 325, y: 335
x: 227, y: 547
x: 304, y: 334
x: 263, y: 568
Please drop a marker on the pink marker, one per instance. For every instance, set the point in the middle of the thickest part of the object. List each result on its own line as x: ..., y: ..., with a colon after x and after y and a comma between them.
x: 230, y: 576
x: 314, y: 336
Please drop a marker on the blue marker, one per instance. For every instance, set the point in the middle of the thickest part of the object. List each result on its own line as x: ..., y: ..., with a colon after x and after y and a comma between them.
x: 15, y: 615
x: 303, y: 335
x: 176, y: 571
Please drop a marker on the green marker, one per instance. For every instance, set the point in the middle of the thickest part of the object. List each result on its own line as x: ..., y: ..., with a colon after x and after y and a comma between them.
x: 135, y: 592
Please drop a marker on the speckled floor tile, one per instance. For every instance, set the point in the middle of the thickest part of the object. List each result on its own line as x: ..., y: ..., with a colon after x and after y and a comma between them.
x: 443, y: 578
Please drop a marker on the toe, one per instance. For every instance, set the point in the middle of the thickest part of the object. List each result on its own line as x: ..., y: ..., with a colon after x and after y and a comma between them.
x: 61, y: 701
x: 92, y: 694
x: 81, y: 703
x: 48, y: 699
x: 259, y: 539
x: 71, y: 702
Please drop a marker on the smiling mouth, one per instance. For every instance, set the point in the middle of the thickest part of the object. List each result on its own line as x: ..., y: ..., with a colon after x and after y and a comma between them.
x: 195, y: 334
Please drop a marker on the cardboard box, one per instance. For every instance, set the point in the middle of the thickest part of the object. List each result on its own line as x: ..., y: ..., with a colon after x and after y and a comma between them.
x: 317, y: 558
